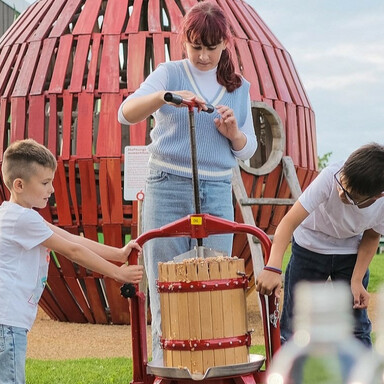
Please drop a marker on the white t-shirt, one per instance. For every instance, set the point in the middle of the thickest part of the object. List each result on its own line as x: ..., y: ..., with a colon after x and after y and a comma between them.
x: 23, y: 263
x: 332, y: 226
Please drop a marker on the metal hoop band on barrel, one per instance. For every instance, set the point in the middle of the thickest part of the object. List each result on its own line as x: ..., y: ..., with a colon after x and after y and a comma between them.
x: 202, y: 286
x: 207, y: 344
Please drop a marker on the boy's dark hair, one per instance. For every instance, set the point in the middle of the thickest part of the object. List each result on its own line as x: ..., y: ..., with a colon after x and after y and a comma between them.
x: 21, y: 157
x: 364, y: 170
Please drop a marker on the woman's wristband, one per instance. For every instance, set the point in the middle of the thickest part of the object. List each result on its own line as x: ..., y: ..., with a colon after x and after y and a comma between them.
x: 273, y: 269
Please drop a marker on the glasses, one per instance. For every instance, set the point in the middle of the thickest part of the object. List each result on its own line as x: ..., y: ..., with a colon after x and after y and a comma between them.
x: 348, y: 196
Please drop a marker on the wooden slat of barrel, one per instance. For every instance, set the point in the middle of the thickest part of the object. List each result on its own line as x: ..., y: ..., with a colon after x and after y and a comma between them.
x: 114, y: 17
x: 109, y: 65
x: 44, y: 62
x: 36, y: 118
x: 109, y: 135
x: 88, y: 18
x: 93, y: 65
x: 165, y: 313
x: 14, y: 70
x: 84, y: 137
x: 217, y: 313
x: 65, y: 18
x: 18, y: 122
x: 24, y: 78
x: 193, y: 313
x: 50, y: 17
x: 79, y: 63
x: 61, y: 63
x: 249, y: 70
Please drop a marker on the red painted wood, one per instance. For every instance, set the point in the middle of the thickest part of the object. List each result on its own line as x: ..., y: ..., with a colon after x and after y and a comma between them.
x: 135, y: 63
x: 88, y: 193
x: 302, y: 130
x: 52, y: 125
x: 65, y: 17
x: 154, y: 16
x: 109, y: 66
x: 175, y: 15
x: 61, y: 196
x: 96, y: 38
x: 88, y: 18
x: 266, y: 82
x: 7, y: 67
x: 119, y: 308
x: 4, y: 115
x: 249, y: 70
x: 60, y: 70
x: 84, y: 139
x: 36, y: 118
x: 158, y: 48
x: 109, y: 135
x: 134, y: 20
x: 73, y: 190
x: 4, y: 55
x: 66, y: 144
x: 137, y: 133
x: 114, y: 17
x: 79, y: 63
x: 237, y: 29
x: 18, y: 111
x: 12, y: 78
x: 292, y: 134
x: 94, y: 299
x: 40, y: 76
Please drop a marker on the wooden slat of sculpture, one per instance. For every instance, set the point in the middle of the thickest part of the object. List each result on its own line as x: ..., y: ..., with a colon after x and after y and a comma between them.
x: 7, y: 67
x: 79, y: 63
x: 4, y: 55
x: 95, y: 301
x: 64, y: 215
x: 237, y: 29
x: 114, y: 17
x: 14, y: 71
x: 134, y: 19
x: 175, y: 15
x: 88, y: 18
x: 109, y: 136
x: 66, y: 15
x: 277, y: 74
x: 92, y: 70
x: 67, y: 125
x: 267, y: 86
x: 18, y: 111
x: 135, y: 61
x: 44, y: 62
x: 153, y: 16
x: 30, y: 20
x: 158, y: 49
x: 109, y: 66
x: 293, y: 145
x: 118, y: 306
x: 36, y: 118
x: 50, y: 306
x: 138, y: 133
x: 84, y: 138
x: 71, y: 181
x: 312, y: 144
x: 4, y: 115
x: 175, y: 48
x: 249, y: 70
x: 52, y: 125
x: 299, y: 86
x: 88, y: 193
x: 288, y: 78
x: 24, y: 78
x: 60, y: 68
x: 50, y: 17
x: 302, y: 131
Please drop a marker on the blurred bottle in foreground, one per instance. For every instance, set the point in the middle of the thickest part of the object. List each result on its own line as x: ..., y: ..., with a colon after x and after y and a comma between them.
x: 323, y: 348
x: 370, y: 367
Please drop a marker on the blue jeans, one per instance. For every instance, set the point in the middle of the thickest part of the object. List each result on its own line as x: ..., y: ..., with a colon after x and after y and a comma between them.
x: 168, y: 198
x: 312, y: 266
x: 13, y: 350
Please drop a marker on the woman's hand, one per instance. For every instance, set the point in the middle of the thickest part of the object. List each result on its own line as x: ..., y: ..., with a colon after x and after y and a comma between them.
x: 196, y: 101
x: 127, y: 249
x: 227, y: 126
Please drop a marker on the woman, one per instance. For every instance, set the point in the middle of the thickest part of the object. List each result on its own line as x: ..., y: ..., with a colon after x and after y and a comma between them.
x: 206, y: 76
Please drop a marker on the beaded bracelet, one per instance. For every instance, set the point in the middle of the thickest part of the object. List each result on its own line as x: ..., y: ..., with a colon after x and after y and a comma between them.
x: 273, y: 269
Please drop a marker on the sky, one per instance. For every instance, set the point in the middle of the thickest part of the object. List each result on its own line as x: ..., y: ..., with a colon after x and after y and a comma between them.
x: 338, y: 50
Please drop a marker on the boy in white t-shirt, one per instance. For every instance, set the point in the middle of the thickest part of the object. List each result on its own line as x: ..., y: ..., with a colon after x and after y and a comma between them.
x: 26, y: 239
x: 336, y: 225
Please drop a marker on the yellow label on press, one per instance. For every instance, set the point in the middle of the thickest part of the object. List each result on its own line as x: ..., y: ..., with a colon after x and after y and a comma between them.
x: 196, y: 220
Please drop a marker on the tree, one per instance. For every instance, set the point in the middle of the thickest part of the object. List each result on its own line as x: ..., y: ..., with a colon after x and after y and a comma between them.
x: 323, y: 160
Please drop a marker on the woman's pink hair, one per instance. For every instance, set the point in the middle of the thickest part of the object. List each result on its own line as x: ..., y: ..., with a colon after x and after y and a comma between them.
x: 206, y: 24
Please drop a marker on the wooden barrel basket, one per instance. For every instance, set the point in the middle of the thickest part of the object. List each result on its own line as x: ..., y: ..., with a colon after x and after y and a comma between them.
x: 203, y: 313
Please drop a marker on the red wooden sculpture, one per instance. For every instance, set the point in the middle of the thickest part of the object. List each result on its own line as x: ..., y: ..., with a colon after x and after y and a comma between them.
x: 65, y: 67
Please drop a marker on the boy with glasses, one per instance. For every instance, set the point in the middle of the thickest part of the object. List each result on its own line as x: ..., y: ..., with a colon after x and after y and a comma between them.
x: 335, y: 229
